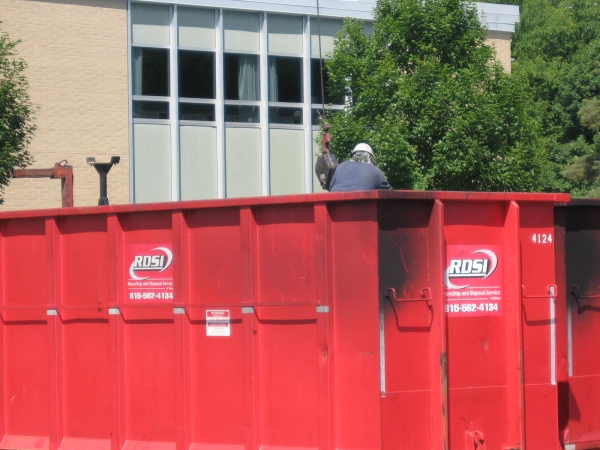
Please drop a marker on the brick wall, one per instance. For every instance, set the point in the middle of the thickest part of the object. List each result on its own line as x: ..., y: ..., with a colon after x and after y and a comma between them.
x: 77, y: 56
x: 501, y: 41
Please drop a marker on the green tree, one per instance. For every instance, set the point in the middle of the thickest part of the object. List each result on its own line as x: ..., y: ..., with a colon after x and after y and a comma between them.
x: 16, y: 112
x: 557, y: 49
x: 431, y: 98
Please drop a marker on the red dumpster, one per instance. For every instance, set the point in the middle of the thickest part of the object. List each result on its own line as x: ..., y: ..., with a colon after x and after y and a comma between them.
x: 578, y: 321
x: 366, y: 320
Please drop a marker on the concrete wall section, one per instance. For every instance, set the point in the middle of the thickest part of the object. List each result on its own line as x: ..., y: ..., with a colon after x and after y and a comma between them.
x: 77, y: 56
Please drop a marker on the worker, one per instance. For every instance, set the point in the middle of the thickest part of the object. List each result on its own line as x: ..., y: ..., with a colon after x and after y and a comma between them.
x: 359, y: 173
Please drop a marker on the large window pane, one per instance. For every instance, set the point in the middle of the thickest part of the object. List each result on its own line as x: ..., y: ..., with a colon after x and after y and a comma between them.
x: 150, y: 24
x: 152, y: 155
x: 243, y: 162
x: 237, y: 113
x: 242, y: 77
x: 197, y: 111
x: 285, y: 79
x: 241, y: 31
x: 150, y: 110
x: 287, y: 161
x: 196, y: 74
x: 196, y: 27
x: 315, y: 83
x: 289, y: 116
x: 151, y: 71
x: 198, y: 162
x: 329, y: 28
x: 285, y: 34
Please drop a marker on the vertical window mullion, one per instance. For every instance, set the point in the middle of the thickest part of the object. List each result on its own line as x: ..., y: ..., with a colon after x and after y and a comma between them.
x: 264, y: 107
x: 219, y: 104
x: 308, y: 135
x: 174, y: 105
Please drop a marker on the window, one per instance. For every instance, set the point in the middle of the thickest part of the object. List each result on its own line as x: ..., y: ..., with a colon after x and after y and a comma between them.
x: 241, y: 31
x: 242, y: 84
x: 196, y: 74
x: 197, y: 111
x: 150, y: 110
x: 241, y: 67
x: 150, y: 71
x: 315, y: 83
x: 285, y: 34
x: 289, y: 116
x: 196, y: 65
x: 242, y: 77
x: 225, y: 103
x: 285, y: 79
x: 241, y: 113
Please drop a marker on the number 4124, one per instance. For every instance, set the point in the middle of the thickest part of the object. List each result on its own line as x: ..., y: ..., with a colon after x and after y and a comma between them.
x: 542, y: 238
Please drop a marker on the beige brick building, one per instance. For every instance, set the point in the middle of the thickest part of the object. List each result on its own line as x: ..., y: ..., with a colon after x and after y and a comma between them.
x: 77, y: 56
x: 79, y: 72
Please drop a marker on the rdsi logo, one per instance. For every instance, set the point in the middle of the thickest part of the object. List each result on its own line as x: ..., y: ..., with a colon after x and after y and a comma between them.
x: 154, y: 263
x: 471, y: 267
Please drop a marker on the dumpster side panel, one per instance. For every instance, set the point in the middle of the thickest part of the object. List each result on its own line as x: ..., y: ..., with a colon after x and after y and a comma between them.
x: 404, y: 267
x: 562, y: 340
x: 147, y: 346
x: 477, y: 346
x: 539, y: 325
x: 287, y: 335
x: 356, y: 326
x: 582, y: 247
x: 215, y: 380
x: 25, y: 266
x: 84, y: 357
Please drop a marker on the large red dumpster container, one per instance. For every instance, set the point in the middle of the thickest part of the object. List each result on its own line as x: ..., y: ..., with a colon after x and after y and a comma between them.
x: 578, y: 321
x: 368, y: 320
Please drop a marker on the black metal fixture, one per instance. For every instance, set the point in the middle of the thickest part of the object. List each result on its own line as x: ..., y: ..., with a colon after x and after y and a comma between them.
x: 103, y: 169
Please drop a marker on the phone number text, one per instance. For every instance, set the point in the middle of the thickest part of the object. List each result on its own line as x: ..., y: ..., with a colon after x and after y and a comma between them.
x: 151, y: 295
x: 471, y: 307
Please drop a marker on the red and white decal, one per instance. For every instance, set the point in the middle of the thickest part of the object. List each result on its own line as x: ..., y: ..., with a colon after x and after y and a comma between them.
x: 473, y: 280
x: 217, y: 322
x: 150, y: 270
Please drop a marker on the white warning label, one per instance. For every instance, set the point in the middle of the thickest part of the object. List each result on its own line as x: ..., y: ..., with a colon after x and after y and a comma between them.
x: 217, y: 322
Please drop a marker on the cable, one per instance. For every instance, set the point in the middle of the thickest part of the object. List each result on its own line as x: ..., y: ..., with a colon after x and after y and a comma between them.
x: 321, y: 60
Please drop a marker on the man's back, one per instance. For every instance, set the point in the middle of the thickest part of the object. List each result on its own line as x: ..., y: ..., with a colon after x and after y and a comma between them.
x: 358, y: 176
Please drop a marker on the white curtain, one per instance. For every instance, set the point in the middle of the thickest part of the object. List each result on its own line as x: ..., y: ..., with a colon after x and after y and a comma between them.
x: 248, y: 78
x: 137, y: 70
x: 273, y: 83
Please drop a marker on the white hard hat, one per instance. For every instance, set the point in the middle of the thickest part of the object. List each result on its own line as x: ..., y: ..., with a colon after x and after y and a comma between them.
x: 362, y: 147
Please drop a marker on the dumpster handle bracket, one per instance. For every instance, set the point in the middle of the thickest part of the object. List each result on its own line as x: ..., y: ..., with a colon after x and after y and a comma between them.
x: 552, y: 292
x: 391, y: 295
x: 576, y: 290
x: 474, y: 440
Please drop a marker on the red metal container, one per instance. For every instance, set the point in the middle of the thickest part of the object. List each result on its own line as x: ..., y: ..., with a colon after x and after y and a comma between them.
x: 578, y: 276
x: 367, y: 320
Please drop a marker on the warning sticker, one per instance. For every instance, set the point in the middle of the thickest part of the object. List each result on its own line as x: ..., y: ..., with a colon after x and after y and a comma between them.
x: 150, y: 272
x: 473, y: 280
x: 217, y: 322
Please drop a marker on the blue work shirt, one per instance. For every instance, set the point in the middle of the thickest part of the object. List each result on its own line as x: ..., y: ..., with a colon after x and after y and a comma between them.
x: 358, y: 176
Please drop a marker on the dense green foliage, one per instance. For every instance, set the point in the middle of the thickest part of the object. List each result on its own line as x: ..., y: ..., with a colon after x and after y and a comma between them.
x: 16, y: 127
x: 557, y: 49
x: 432, y: 100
